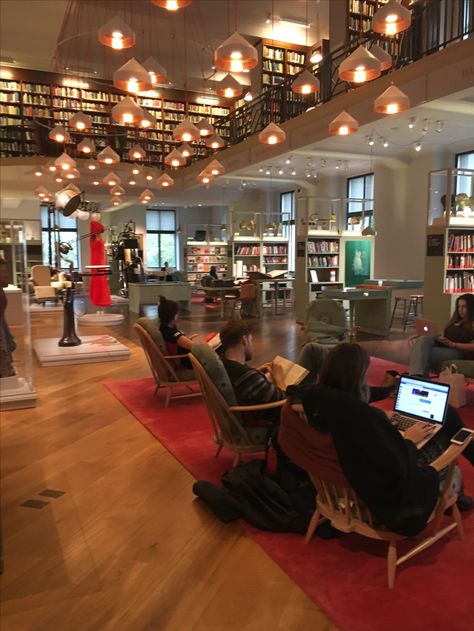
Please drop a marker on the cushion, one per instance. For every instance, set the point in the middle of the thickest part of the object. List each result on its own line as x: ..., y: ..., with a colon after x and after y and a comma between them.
x: 464, y: 366
x: 153, y: 330
x: 214, y: 368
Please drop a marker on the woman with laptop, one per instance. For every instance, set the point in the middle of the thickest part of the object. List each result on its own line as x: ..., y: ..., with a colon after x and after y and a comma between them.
x: 457, y: 341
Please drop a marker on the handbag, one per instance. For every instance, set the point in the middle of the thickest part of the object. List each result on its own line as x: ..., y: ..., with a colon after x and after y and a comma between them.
x: 457, y: 392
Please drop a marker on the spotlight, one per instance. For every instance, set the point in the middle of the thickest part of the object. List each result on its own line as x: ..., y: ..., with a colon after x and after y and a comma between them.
x: 268, y: 171
x: 67, y: 200
x: 426, y: 126
x: 417, y: 146
x: 288, y: 161
x: 280, y: 172
x: 411, y: 123
x: 384, y: 142
x: 370, y: 141
x: 260, y: 170
x: 293, y: 172
x: 323, y: 163
x: 308, y: 174
x: 439, y: 126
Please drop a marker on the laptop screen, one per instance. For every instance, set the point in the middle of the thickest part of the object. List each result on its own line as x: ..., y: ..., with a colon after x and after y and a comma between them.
x: 425, y: 400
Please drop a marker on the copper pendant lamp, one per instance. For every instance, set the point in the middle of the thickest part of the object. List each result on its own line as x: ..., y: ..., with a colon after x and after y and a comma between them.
x: 117, y: 34
x: 65, y: 162
x: 136, y: 153
x: 132, y: 77
x: 272, y: 135
x: 205, y: 128
x: 175, y: 159
x: 382, y: 55
x: 343, y: 125
x: 392, y: 101
x: 155, y: 70
x: 80, y: 121
x: 87, y: 146
x: 186, y: 150
x: 215, y: 168
x: 127, y: 111
x: 214, y: 142
x: 392, y: 18
x: 235, y: 54
x: 172, y: 5
x: 59, y: 134
x: 229, y: 87
x: 305, y: 83
x: 165, y: 181
x: 360, y: 66
x: 108, y: 156
x: 186, y: 131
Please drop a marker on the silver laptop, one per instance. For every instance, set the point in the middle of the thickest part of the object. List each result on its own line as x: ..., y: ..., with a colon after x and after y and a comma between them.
x: 420, y: 400
x: 425, y: 327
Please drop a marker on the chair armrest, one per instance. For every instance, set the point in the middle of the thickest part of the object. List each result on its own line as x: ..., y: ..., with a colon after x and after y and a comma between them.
x: 176, y: 356
x: 254, y: 408
x: 447, y: 457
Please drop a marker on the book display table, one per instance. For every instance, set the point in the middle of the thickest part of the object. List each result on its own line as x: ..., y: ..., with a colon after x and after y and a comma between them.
x: 369, y: 310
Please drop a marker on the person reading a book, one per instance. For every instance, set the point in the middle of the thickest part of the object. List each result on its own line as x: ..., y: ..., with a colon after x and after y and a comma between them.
x: 457, y: 341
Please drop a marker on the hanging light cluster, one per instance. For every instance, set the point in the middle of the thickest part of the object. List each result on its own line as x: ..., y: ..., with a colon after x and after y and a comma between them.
x: 172, y: 5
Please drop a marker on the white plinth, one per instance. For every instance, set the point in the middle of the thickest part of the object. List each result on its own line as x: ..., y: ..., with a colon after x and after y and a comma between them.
x: 16, y: 393
x: 100, y: 319
x: 94, y: 348
x: 35, y: 308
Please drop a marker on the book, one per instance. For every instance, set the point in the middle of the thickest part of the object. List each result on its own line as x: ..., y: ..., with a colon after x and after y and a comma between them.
x: 213, y: 339
x: 273, y: 274
x: 293, y: 373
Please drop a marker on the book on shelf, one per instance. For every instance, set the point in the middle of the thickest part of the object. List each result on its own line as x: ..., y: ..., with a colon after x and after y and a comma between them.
x: 271, y: 275
x: 293, y: 374
x: 314, y: 276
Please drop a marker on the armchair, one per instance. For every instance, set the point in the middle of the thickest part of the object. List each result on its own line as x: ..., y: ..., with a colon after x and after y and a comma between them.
x: 325, y: 322
x: 42, y: 286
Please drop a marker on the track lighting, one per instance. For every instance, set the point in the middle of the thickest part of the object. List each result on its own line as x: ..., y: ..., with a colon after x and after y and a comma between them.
x: 384, y: 142
x: 288, y: 161
x: 411, y: 122
x: 268, y: 171
x: 426, y: 126
x: 370, y: 141
x: 293, y: 172
x: 417, y: 146
x: 280, y: 171
x: 439, y: 126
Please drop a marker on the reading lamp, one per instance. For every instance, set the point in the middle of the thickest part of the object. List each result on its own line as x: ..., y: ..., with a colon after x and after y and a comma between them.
x: 68, y: 200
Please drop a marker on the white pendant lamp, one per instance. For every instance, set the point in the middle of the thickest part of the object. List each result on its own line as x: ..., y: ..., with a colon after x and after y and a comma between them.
x: 115, y: 202
x: 305, y: 83
x: 229, y: 87
x: 186, y: 150
x: 155, y: 70
x: 146, y: 196
x: 65, y: 162
x: 132, y: 77
x: 382, y: 55
x: 165, y: 181
x: 148, y: 175
x: 214, y: 142
x: 80, y: 121
x: 175, y: 159
x: 135, y: 170
x: 391, y: 19
x: 111, y: 179
x: 117, y: 190
x: 360, y: 66
x: 147, y: 120
x: 127, y: 111
x: 391, y: 101
x: 272, y: 135
x: 95, y: 182
x: 41, y: 191
x: 343, y: 125
x: 137, y: 153
x: 215, y: 168
x: 87, y: 146
x: 205, y: 128
x: 205, y: 177
x: 93, y: 165
x: 235, y: 54
x: 59, y: 134
x: 117, y: 34
x: 51, y: 167
x: 108, y: 156
x: 131, y: 181
x: 73, y: 174
x: 186, y: 131
x: 172, y: 5
x: 38, y: 171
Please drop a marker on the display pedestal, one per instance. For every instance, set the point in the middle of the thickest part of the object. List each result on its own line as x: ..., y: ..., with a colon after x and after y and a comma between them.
x: 16, y: 393
x: 94, y: 348
x: 100, y: 319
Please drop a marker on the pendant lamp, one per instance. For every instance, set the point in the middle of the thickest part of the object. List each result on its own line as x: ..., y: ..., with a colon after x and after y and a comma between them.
x: 205, y: 128
x: 117, y: 190
x: 215, y: 168
x: 186, y: 150
x: 146, y: 196
x: 172, y: 5
x: 95, y: 182
x: 38, y: 171
x: 147, y: 120
x: 155, y: 71
x: 92, y: 165
x: 229, y: 87
x: 127, y: 111
x: 148, y: 176
x: 80, y: 121
x: 305, y: 83
x: 165, y: 181
x: 108, y: 156
x: 59, y: 134
x: 115, y: 202
x: 51, y: 167
x: 186, y: 131
x: 65, y: 162
x: 360, y: 66
x: 111, y: 179
x: 117, y: 34
x: 205, y: 177
x: 343, y: 125
x: 72, y: 174
x: 87, y: 146
x: 131, y: 181
x: 58, y: 179
x: 135, y: 170
x: 382, y: 55
x: 175, y: 159
x: 391, y: 19
x: 272, y: 135
x: 235, y: 54
x: 136, y: 153
x: 391, y: 101
x: 214, y: 142
x: 41, y: 192
x: 132, y: 77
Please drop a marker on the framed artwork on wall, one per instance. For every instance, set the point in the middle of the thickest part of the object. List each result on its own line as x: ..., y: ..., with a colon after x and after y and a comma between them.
x: 357, y: 262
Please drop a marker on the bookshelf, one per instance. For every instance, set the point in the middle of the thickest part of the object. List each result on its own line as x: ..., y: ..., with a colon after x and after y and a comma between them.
x: 322, y: 264
x: 246, y: 257
x: 200, y: 256
x: 33, y: 99
x: 359, y: 21
x: 459, y: 271
x: 274, y: 255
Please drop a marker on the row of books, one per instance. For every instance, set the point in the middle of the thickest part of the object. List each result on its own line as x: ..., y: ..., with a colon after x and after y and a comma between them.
x: 247, y: 250
x: 274, y: 53
x: 466, y: 260
x: 207, y: 259
x: 459, y: 281
x: 294, y: 57
x: 360, y: 6
x: 461, y: 242
x: 205, y: 267
x: 207, y: 250
x: 273, y: 66
x: 281, y: 260
x: 275, y: 249
x: 314, y: 247
x: 323, y: 261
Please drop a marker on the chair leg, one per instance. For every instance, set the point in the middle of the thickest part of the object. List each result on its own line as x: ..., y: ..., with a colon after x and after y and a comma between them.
x: 392, y: 563
x: 457, y: 518
x: 237, y: 460
x: 168, y: 396
x: 219, y: 449
x: 312, y: 525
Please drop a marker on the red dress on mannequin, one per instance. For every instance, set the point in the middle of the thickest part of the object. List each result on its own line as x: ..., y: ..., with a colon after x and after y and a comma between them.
x: 99, y: 292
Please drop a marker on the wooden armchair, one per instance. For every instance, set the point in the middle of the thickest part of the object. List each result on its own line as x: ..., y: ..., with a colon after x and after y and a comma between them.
x: 161, y: 364
x: 338, y: 502
x: 43, y: 289
x: 224, y: 413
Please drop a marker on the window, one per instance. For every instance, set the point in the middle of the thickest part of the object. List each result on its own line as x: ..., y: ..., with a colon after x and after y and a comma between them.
x: 463, y: 182
x: 66, y: 232
x: 465, y: 160
x: 160, y: 238
x: 287, y: 205
x: 360, y: 202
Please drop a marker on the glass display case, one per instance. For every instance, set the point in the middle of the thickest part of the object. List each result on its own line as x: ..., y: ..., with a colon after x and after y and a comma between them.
x: 319, y: 214
x: 246, y: 226
x: 451, y: 198
x: 16, y: 366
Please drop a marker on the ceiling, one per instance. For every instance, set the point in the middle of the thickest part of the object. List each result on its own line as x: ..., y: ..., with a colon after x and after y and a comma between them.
x: 182, y: 42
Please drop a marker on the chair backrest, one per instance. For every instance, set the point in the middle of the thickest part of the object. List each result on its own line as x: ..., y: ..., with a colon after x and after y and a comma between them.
x: 41, y: 275
x: 161, y: 369
x: 214, y: 382
x: 248, y: 291
x: 325, y: 320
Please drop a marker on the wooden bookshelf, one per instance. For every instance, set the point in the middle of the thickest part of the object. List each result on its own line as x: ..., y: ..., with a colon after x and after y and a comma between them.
x: 359, y: 22
x: 200, y: 258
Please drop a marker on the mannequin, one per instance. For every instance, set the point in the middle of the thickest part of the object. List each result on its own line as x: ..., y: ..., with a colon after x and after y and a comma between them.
x: 99, y: 291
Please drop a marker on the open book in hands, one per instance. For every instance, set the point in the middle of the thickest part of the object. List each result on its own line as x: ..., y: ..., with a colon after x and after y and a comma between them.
x: 293, y: 373
x: 213, y: 339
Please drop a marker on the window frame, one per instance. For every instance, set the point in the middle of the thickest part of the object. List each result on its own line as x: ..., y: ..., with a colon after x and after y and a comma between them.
x: 291, y: 228
x: 159, y: 233
x: 367, y: 211
x: 49, y: 229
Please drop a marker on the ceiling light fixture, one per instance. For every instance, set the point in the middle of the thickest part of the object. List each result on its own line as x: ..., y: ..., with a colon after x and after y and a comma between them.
x: 131, y: 181
x: 426, y: 126
x: 127, y: 111
x: 417, y: 146
x: 137, y: 153
x: 248, y: 97
x: 132, y: 77
x: 117, y: 190
x: 343, y: 125
x: 391, y: 101
x: 146, y: 196
x: 360, y: 66
x: 172, y: 5
x: 229, y: 87
x: 111, y: 179
x: 272, y: 134
x: 87, y: 146
x: 117, y: 34
x: 205, y: 128
x: 135, y: 171
x: 186, y: 131
x: 391, y: 18
x: 108, y: 156
x: 155, y: 70
x: 293, y: 172
x: 305, y: 83
x: 165, y: 181
x: 175, y: 159
x: 147, y: 120
x: 59, y: 134
x: 186, y: 150
x: 384, y: 142
x: 215, y: 168
x: 41, y: 192
x: 382, y: 55
x: 214, y: 142
x: 38, y: 171
x: 73, y: 174
x: 439, y: 126
x: 236, y: 54
x: 411, y: 122
x: 65, y: 162
x: 316, y: 57
x: 204, y: 177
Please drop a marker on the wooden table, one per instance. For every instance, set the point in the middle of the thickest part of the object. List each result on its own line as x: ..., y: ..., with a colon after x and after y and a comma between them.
x: 369, y: 309
x: 148, y: 293
x: 221, y: 292
x: 275, y: 289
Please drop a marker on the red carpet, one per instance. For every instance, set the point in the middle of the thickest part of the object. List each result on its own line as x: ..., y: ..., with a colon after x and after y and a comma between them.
x: 346, y: 577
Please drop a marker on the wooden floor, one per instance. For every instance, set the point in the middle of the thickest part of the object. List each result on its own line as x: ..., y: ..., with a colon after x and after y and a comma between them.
x: 127, y: 546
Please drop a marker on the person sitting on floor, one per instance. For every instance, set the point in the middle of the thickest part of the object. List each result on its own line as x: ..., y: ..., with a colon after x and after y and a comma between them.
x: 457, y: 341
x: 177, y: 342
x: 385, y: 467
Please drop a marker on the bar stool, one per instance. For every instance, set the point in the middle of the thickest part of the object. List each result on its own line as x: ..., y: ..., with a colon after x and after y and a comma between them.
x: 410, y: 307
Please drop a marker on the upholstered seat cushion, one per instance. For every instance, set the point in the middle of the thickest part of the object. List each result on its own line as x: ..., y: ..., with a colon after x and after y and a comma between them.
x: 152, y: 328
x: 213, y: 366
